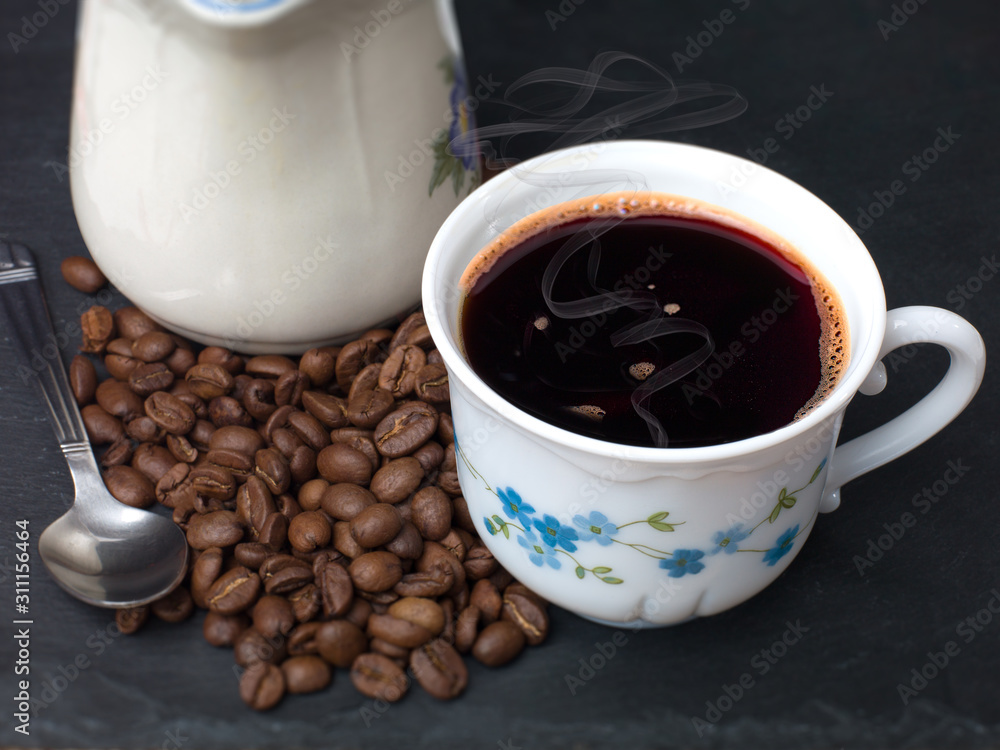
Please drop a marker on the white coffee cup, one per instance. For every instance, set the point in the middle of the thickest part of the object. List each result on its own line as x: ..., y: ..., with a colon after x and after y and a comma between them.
x: 654, y: 536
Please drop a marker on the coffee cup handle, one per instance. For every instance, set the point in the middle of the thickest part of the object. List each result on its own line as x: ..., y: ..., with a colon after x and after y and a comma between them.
x: 912, y: 325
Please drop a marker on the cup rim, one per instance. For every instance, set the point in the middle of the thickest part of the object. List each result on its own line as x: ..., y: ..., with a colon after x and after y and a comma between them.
x: 864, y: 352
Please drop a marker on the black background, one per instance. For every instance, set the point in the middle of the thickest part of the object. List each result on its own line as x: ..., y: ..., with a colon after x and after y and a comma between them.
x: 837, y: 686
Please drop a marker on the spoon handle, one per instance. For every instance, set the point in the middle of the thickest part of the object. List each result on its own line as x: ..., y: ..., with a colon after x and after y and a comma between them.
x: 26, y: 320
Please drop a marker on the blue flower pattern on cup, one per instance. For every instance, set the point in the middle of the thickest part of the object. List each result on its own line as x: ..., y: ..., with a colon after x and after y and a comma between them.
x: 554, y: 538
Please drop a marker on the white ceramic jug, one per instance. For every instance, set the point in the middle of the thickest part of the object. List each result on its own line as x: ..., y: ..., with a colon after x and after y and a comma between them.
x: 267, y: 175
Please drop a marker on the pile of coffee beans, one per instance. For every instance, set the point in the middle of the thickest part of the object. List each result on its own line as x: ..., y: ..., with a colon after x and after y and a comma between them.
x: 321, y: 504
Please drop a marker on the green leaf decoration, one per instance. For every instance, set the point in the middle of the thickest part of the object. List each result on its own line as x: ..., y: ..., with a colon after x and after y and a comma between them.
x: 500, y: 521
x: 657, y: 517
x: 457, y: 174
x: 580, y: 572
x: 816, y: 473
x: 788, y: 501
x: 442, y: 168
x: 446, y: 66
x: 660, y: 526
x: 600, y: 569
x: 609, y: 579
x: 774, y: 513
x: 781, y: 495
x: 506, y: 531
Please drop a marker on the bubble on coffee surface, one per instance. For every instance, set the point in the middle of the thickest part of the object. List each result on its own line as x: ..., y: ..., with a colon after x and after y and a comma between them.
x: 656, y: 318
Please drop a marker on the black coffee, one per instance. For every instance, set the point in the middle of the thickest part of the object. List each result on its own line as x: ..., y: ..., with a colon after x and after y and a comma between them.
x: 650, y: 320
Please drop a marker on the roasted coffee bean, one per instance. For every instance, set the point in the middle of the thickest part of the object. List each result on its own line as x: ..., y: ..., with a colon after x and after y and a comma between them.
x: 309, y: 531
x: 102, y: 427
x: 406, y: 328
x: 277, y: 421
x: 289, y: 387
x: 286, y: 442
x: 220, y: 528
x: 305, y: 674
x: 340, y: 642
x: 310, y: 495
x: 430, y: 455
x: 361, y: 441
x: 431, y: 384
x: 380, y: 601
x: 398, y: 374
x: 269, y: 366
x: 458, y: 542
x: 180, y: 361
x: 397, y: 480
x: 308, y: 429
x: 201, y: 434
x: 181, y: 449
x: 499, y: 643
x: 376, y: 525
x: 330, y: 411
x: 352, y: 358
x: 435, y: 555
x: 226, y: 410
x: 120, y: 346
x: 142, y: 429
x: 408, y: 544
x: 262, y: 686
x: 254, y: 503
x: 251, y: 554
x: 318, y: 366
x: 436, y: 581
x: 487, y: 599
x: 342, y: 463
x: 448, y: 482
x: 82, y: 379
x: 343, y: 501
x: 240, y: 384
x: 366, y: 380
x: 302, y: 464
x: 170, y: 413
x: 258, y: 399
x: 377, y: 676
x: 239, y: 465
x: 82, y: 274
x: 432, y: 513
x: 344, y: 542
x: 424, y: 612
x: 376, y: 571
x: 379, y: 336
x: 250, y: 647
x: 152, y: 460
x: 467, y: 628
x: 176, y: 606
x: 446, y: 429
x: 439, y: 669
x: 236, y: 438
x: 118, y: 453
x: 120, y: 367
x: 97, y: 328
x: 302, y: 639
x: 282, y: 574
x: 216, y: 355
x: 223, y: 630
x: 527, y: 611
x: 398, y: 654
x: 306, y: 601
x: 208, y: 380
x: 461, y: 598
x: 406, y: 429
x: 335, y: 588
x: 272, y: 616
x: 174, y: 487
x: 153, y: 346
x: 274, y: 532
x: 131, y: 619
x: 130, y: 486
x: 367, y: 408
x: 132, y: 322
x: 181, y: 391
x: 398, y: 632
x: 271, y: 468
x: 118, y: 399
x: 213, y: 481
x: 205, y: 572
x: 449, y: 463
x: 234, y: 591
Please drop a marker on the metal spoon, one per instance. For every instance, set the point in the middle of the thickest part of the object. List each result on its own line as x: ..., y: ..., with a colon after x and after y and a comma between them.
x: 100, y: 551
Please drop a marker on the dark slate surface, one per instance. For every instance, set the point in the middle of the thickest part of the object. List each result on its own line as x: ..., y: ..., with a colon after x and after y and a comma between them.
x: 838, y: 685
